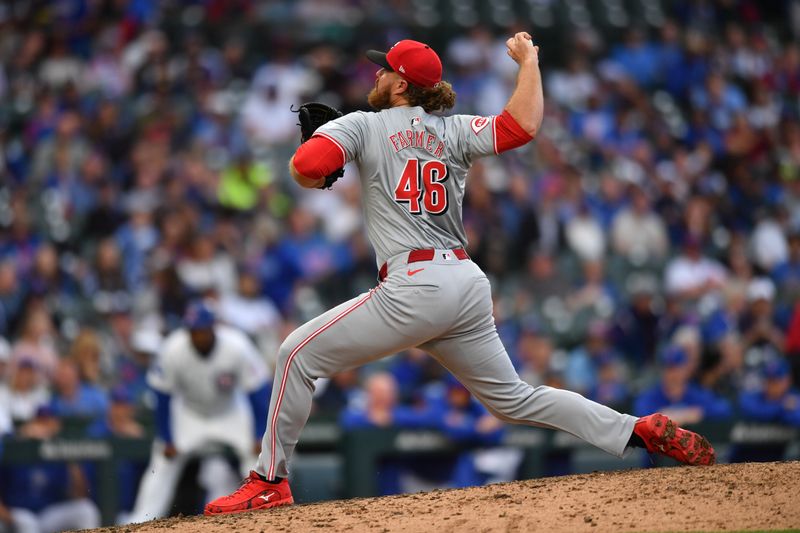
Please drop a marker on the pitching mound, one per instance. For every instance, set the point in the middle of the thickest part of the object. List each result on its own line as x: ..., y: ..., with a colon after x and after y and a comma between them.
x: 754, y: 496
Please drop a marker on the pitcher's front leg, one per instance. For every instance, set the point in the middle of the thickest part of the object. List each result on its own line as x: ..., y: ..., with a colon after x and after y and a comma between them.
x: 480, y: 361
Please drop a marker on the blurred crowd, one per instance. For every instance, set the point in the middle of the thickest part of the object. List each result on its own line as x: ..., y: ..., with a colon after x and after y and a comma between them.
x: 644, y: 251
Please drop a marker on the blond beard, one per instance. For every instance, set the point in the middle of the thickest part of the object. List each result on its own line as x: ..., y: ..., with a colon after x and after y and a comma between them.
x: 379, y: 100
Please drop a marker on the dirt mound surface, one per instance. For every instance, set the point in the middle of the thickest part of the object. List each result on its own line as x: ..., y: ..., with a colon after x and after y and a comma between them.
x: 749, y: 496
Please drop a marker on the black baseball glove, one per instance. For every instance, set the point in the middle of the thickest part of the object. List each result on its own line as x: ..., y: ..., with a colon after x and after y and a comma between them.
x: 312, y: 116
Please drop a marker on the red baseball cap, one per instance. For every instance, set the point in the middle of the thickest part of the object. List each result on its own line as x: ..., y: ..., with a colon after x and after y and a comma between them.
x: 414, y: 61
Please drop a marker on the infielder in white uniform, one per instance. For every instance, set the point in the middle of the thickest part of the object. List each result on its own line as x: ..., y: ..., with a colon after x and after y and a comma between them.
x: 203, y: 378
x: 413, y: 167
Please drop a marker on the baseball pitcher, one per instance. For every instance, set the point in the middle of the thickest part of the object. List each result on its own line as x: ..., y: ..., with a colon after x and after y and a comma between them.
x: 413, y: 167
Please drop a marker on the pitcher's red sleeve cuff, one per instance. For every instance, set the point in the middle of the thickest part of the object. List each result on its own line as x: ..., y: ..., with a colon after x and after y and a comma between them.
x: 508, y: 134
x: 318, y: 157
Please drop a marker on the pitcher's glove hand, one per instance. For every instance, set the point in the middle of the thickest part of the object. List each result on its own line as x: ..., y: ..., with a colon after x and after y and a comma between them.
x: 312, y: 116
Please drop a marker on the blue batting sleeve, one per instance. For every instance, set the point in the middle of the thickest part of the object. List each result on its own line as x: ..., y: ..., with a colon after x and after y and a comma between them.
x: 163, y: 422
x: 259, y: 401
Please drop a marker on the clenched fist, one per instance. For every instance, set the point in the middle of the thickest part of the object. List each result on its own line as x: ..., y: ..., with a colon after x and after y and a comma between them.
x: 521, y: 48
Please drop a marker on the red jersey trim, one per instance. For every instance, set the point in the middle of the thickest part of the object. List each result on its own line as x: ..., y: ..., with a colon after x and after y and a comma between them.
x: 494, y: 133
x: 334, y: 141
x: 508, y: 134
x: 319, y: 156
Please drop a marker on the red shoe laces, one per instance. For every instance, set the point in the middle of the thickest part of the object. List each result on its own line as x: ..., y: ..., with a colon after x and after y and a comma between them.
x: 244, y: 484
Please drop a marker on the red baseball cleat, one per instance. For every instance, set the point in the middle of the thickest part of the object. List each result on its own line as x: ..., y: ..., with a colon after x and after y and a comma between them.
x: 662, y: 435
x: 254, y: 493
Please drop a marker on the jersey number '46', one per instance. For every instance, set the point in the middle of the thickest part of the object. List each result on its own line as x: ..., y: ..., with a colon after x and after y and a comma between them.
x: 423, y: 187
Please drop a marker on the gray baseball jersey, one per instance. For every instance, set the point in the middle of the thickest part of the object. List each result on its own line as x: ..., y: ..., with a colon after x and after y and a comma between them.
x: 413, y: 169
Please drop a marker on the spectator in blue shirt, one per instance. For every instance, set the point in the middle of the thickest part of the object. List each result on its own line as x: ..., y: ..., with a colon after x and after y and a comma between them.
x: 45, y: 496
x: 636, y: 327
x: 413, y: 369
x: 584, y: 362
x: 777, y: 401
x: 136, y: 238
x: 333, y: 395
x: 720, y: 98
x: 638, y: 58
x: 73, y: 398
x: 303, y: 255
x: 120, y: 423
x: 132, y: 368
x: 460, y: 416
x: 611, y: 387
x: 379, y: 407
x: 464, y: 420
x: 677, y: 397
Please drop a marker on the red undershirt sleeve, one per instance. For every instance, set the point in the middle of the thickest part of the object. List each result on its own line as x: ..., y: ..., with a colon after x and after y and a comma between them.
x: 508, y: 133
x: 318, y: 157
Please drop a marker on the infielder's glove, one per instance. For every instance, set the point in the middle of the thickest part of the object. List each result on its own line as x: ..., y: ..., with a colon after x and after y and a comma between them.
x: 312, y: 116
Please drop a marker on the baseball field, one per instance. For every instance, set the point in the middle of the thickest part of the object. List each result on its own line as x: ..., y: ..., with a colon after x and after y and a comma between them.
x: 740, y: 497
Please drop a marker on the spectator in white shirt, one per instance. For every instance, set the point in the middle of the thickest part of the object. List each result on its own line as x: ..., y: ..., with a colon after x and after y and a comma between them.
x: 638, y: 233
x: 26, y: 392
x: 573, y: 85
x: 5, y: 412
x: 585, y: 236
x: 691, y: 275
x: 5, y: 356
x: 253, y: 313
x: 768, y: 242
x: 207, y: 269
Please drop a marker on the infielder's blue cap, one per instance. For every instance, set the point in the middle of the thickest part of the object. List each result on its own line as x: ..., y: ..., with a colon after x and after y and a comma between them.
x: 198, y: 316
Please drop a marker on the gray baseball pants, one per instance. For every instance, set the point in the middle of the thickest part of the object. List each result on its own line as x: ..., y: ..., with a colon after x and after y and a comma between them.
x: 443, y: 306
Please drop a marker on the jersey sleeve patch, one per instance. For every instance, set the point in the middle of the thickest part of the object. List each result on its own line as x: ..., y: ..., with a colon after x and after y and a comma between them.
x: 478, y: 124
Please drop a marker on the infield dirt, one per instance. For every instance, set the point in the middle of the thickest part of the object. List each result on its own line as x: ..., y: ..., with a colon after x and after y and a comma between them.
x: 751, y: 496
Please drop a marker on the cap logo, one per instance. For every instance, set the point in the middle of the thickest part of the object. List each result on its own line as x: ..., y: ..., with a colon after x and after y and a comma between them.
x: 478, y: 123
x: 402, y: 69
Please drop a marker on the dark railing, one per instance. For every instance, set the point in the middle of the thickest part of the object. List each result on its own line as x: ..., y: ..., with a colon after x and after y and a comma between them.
x: 361, y: 450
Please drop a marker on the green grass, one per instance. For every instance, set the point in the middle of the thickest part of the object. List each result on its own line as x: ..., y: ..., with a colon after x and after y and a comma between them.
x: 750, y: 531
